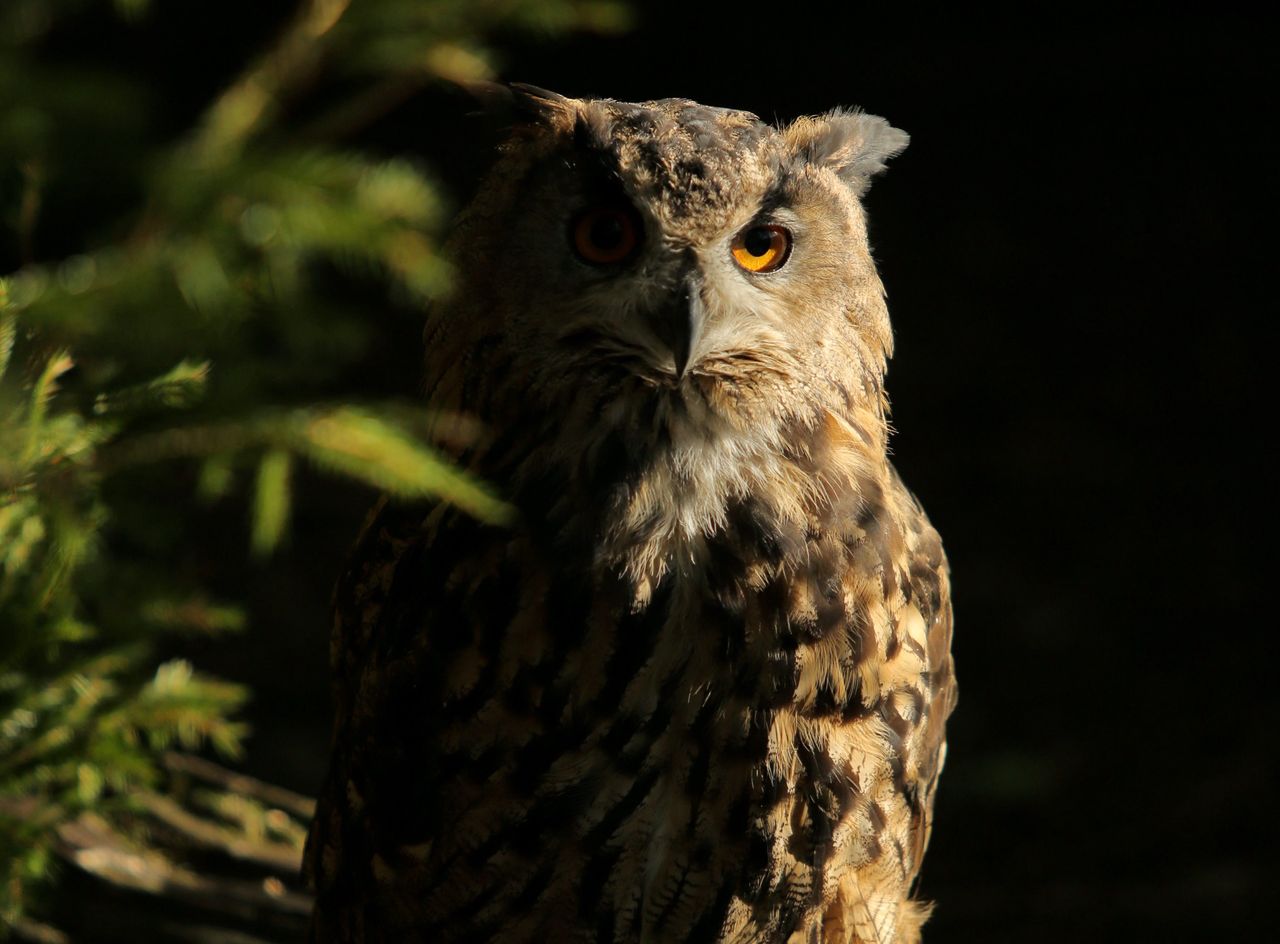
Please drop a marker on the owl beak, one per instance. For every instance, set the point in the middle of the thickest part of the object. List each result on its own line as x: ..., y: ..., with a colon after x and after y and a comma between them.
x: 674, y: 324
x: 680, y: 350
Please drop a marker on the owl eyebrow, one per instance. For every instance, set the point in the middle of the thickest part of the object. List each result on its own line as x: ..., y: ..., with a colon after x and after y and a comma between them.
x: 601, y: 188
x: 589, y: 141
x: 596, y: 164
x: 774, y: 198
x: 593, y: 161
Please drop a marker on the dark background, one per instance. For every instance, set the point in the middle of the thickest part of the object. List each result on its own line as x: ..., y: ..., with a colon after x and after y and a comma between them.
x: 1071, y: 247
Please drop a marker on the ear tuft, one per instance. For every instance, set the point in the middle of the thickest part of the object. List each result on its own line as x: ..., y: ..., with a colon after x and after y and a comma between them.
x: 517, y: 104
x: 853, y: 144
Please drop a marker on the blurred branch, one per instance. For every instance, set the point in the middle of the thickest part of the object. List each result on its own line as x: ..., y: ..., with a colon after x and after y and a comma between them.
x: 344, y: 439
x: 447, y: 61
x: 238, y: 783
x: 366, y: 107
x: 253, y: 99
x: 94, y: 846
x: 201, y: 832
x: 250, y: 892
x: 26, y: 929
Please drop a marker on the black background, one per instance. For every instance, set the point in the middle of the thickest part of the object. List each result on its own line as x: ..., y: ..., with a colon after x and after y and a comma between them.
x: 1072, y: 250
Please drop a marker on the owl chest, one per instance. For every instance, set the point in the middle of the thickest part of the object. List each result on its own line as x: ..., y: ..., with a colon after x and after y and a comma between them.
x: 643, y: 767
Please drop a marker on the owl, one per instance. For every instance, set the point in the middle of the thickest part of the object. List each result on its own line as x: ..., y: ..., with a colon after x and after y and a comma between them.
x: 697, y: 692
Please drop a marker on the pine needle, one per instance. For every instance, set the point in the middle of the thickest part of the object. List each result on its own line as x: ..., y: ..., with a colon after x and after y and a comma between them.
x: 366, y: 447
x: 271, y: 502
x: 41, y: 393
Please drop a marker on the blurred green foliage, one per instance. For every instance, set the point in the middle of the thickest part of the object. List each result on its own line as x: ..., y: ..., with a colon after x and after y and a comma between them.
x: 184, y: 322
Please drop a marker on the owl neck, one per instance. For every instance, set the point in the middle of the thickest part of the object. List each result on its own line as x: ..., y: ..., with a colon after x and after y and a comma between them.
x: 650, y: 495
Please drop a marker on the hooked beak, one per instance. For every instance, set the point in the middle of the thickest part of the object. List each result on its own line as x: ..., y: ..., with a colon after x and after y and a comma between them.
x: 674, y: 325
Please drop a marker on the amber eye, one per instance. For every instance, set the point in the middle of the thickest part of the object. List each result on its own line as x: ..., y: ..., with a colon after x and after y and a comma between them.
x: 605, y: 235
x: 762, y: 248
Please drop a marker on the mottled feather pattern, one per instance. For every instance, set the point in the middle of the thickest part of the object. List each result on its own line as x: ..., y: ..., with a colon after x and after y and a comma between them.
x: 698, y: 693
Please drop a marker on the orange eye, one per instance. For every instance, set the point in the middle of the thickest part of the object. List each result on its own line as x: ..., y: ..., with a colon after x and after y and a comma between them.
x: 605, y: 235
x: 762, y: 248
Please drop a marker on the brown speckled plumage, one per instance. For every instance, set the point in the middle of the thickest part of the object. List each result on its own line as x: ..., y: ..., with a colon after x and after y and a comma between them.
x: 698, y: 692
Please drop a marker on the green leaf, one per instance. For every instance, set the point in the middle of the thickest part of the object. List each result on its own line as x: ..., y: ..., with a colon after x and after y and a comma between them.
x: 193, y: 615
x: 217, y: 475
x: 177, y: 388
x: 8, y: 328
x: 271, y: 502
x: 41, y: 393
x: 367, y: 447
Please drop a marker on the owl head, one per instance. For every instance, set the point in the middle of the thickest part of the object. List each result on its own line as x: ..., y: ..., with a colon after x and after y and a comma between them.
x: 664, y: 270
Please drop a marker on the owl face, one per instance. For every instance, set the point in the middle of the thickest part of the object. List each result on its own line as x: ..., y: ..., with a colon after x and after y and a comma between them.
x: 693, y: 256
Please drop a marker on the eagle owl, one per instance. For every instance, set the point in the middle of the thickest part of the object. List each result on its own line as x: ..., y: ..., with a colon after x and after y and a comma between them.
x: 697, y: 692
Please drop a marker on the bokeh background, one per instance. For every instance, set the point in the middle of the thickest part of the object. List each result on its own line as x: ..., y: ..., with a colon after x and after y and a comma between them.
x: 1073, y: 250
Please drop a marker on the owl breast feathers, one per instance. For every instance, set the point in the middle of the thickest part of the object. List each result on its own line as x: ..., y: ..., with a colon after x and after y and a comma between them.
x: 698, y: 691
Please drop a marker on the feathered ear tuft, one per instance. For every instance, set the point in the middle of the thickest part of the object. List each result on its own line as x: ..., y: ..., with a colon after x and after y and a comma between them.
x: 853, y: 144
x: 517, y: 104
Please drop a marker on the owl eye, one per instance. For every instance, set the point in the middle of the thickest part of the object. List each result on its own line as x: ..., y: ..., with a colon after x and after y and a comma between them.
x: 605, y: 235
x: 762, y: 248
